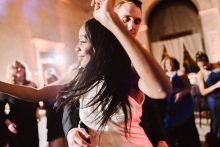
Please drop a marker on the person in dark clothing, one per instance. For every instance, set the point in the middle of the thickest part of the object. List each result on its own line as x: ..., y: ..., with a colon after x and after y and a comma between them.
x: 55, y: 134
x: 4, y: 131
x: 209, y: 86
x: 152, y: 122
x: 21, y: 120
x: 179, y: 118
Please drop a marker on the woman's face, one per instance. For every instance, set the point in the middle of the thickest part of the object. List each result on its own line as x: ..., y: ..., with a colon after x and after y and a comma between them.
x: 169, y: 65
x: 202, y: 64
x: 18, y: 71
x: 84, y: 48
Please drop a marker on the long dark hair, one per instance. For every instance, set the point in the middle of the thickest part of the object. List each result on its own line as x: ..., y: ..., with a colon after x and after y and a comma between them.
x: 109, y: 66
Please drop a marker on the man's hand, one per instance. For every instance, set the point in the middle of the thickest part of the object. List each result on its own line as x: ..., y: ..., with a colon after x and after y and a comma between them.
x: 162, y: 143
x: 12, y: 128
x: 76, y: 138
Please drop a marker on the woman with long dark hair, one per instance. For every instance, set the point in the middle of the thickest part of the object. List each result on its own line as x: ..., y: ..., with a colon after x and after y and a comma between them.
x: 108, y: 107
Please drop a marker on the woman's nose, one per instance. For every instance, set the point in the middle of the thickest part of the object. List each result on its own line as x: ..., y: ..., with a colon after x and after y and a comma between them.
x: 77, y: 48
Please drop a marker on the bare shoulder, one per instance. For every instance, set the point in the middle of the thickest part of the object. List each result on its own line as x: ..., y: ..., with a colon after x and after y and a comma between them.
x: 200, y: 75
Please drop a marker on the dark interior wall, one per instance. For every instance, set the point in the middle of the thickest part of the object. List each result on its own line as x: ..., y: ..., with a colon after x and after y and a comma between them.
x: 172, y: 19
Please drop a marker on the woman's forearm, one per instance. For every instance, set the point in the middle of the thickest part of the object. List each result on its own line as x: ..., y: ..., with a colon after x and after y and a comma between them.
x: 202, y: 88
x: 205, y: 91
x: 146, y: 66
x: 28, y: 93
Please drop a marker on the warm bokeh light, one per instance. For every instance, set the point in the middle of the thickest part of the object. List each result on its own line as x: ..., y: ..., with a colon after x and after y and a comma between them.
x: 59, y: 59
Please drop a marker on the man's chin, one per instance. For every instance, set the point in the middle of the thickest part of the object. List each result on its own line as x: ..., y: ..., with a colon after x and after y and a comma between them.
x: 133, y: 34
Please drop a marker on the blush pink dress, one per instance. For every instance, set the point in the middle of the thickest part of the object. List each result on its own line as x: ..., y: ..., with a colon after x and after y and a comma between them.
x: 113, y: 135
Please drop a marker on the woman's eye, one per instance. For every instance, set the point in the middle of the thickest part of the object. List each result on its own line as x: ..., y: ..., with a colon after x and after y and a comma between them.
x: 82, y: 41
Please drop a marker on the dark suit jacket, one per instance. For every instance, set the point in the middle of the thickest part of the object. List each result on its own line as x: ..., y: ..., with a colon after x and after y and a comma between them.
x: 3, y: 128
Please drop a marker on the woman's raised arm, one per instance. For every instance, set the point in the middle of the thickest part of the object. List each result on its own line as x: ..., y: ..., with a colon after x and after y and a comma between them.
x: 153, y: 80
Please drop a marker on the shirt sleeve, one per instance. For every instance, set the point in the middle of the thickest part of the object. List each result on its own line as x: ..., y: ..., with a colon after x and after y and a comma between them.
x: 152, y: 124
x: 3, y: 101
x: 71, y: 117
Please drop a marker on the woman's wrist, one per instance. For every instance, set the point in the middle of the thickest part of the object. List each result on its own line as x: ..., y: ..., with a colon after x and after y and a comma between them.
x: 110, y: 20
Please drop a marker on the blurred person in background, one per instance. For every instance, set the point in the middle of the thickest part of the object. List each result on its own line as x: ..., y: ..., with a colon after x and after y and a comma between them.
x: 209, y: 86
x: 55, y: 134
x: 21, y: 120
x: 179, y: 120
x: 3, y: 128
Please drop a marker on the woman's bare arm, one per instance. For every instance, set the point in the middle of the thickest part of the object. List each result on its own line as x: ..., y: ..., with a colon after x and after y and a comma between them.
x: 33, y: 94
x: 203, y: 90
x: 154, y: 81
x: 28, y: 93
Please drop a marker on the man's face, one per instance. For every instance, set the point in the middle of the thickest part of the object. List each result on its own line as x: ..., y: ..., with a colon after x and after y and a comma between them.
x: 130, y: 16
x: 203, y: 64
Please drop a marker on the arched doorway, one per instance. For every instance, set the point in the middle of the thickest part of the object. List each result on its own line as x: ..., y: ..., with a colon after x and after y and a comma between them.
x: 174, y: 26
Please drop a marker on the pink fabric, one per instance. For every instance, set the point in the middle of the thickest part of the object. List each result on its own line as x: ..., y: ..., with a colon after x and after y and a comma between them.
x: 113, y: 134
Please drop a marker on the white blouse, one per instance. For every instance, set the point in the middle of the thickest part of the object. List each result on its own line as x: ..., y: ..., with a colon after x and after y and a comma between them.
x: 113, y: 134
